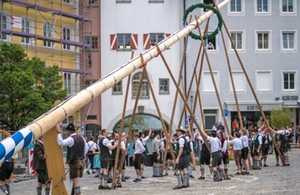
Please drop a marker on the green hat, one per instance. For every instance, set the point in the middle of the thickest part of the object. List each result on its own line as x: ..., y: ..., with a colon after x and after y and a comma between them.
x: 214, y: 134
x: 70, y: 127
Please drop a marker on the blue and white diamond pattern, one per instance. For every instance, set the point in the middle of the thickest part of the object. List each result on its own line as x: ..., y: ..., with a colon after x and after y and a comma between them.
x: 15, y: 143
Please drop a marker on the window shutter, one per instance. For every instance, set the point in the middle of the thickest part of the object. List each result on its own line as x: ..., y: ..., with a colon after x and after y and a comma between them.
x: 239, y: 82
x: 167, y: 35
x: 208, y: 85
x: 113, y: 42
x: 146, y: 38
x: 134, y: 41
x: 264, y: 81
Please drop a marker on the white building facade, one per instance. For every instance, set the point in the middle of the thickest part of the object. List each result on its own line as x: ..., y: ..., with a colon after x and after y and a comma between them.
x: 265, y: 33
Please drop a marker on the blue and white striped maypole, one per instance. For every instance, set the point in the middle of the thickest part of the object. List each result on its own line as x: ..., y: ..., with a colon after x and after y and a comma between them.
x: 11, y: 145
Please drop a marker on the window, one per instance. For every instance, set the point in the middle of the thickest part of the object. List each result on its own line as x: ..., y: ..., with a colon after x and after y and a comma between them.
x: 237, y: 38
x: 208, y: 86
x: 236, y: 6
x: 288, y: 6
x: 156, y: 38
x: 211, y: 43
x: 239, y: 82
x: 289, y: 81
x: 262, y: 6
x: 123, y: 1
x: 264, y: 81
x: 117, y: 88
x: 164, y: 87
x: 151, y: 39
x: 263, y: 41
x: 92, y: 41
x: 93, y: 2
x: 288, y: 40
x: 26, y: 28
x: 156, y: 1
x: 68, y: 82
x: 68, y: 120
x: 67, y: 36
x: 67, y: 1
x: 210, y: 117
x: 48, y: 32
x: 92, y: 117
x: 136, y: 83
x: 124, y: 41
x: 4, y: 25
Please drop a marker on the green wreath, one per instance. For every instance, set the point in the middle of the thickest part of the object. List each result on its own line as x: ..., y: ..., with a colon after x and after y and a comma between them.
x: 202, y: 5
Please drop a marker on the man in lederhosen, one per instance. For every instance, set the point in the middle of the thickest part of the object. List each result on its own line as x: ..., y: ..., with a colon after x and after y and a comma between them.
x: 182, y: 160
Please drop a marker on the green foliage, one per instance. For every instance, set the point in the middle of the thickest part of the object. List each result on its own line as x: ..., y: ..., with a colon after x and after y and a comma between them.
x: 281, y: 118
x: 27, y: 88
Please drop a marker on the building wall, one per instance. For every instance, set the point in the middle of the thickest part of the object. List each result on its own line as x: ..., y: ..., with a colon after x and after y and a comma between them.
x: 55, y: 53
x: 275, y: 59
x: 91, y: 113
x: 146, y: 18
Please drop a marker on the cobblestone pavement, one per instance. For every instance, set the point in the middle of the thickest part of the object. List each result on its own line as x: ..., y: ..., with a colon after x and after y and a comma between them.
x: 269, y: 180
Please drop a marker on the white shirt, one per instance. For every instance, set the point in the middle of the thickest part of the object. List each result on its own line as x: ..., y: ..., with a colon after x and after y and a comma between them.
x: 181, y: 141
x: 237, y: 144
x: 145, y: 139
x: 259, y: 139
x: 283, y: 132
x: 225, y: 146
x: 214, y: 128
x: 123, y: 145
x: 69, y: 141
x: 106, y: 142
x: 139, y: 148
x: 244, y: 139
x: 215, y: 144
x: 91, y: 146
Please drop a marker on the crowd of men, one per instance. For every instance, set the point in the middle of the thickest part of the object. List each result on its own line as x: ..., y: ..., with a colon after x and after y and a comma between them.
x: 170, y: 152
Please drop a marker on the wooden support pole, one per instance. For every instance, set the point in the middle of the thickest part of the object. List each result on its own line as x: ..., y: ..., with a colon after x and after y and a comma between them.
x: 160, y: 117
x: 253, y: 92
x: 214, y: 82
x: 123, y: 116
x: 192, y: 80
x: 192, y: 154
x: 179, y: 77
x: 182, y: 95
x: 135, y: 105
x: 55, y: 163
x: 115, y: 169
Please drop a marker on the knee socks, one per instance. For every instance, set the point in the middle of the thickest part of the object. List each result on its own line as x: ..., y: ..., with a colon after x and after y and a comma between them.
x: 39, y: 190
x: 7, y: 187
x: 185, y: 179
x: 77, y: 190
x: 191, y: 170
x: 3, y: 188
x: 202, y: 171
x: 178, y: 176
x: 47, y: 191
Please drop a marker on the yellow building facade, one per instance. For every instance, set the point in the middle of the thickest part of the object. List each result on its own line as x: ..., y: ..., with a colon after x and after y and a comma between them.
x: 52, y: 30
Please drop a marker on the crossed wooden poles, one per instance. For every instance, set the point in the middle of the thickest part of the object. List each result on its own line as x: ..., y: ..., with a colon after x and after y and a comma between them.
x: 187, y: 110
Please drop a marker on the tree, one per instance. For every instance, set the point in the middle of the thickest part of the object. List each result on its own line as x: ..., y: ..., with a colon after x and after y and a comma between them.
x: 27, y: 87
x: 281, y: 118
